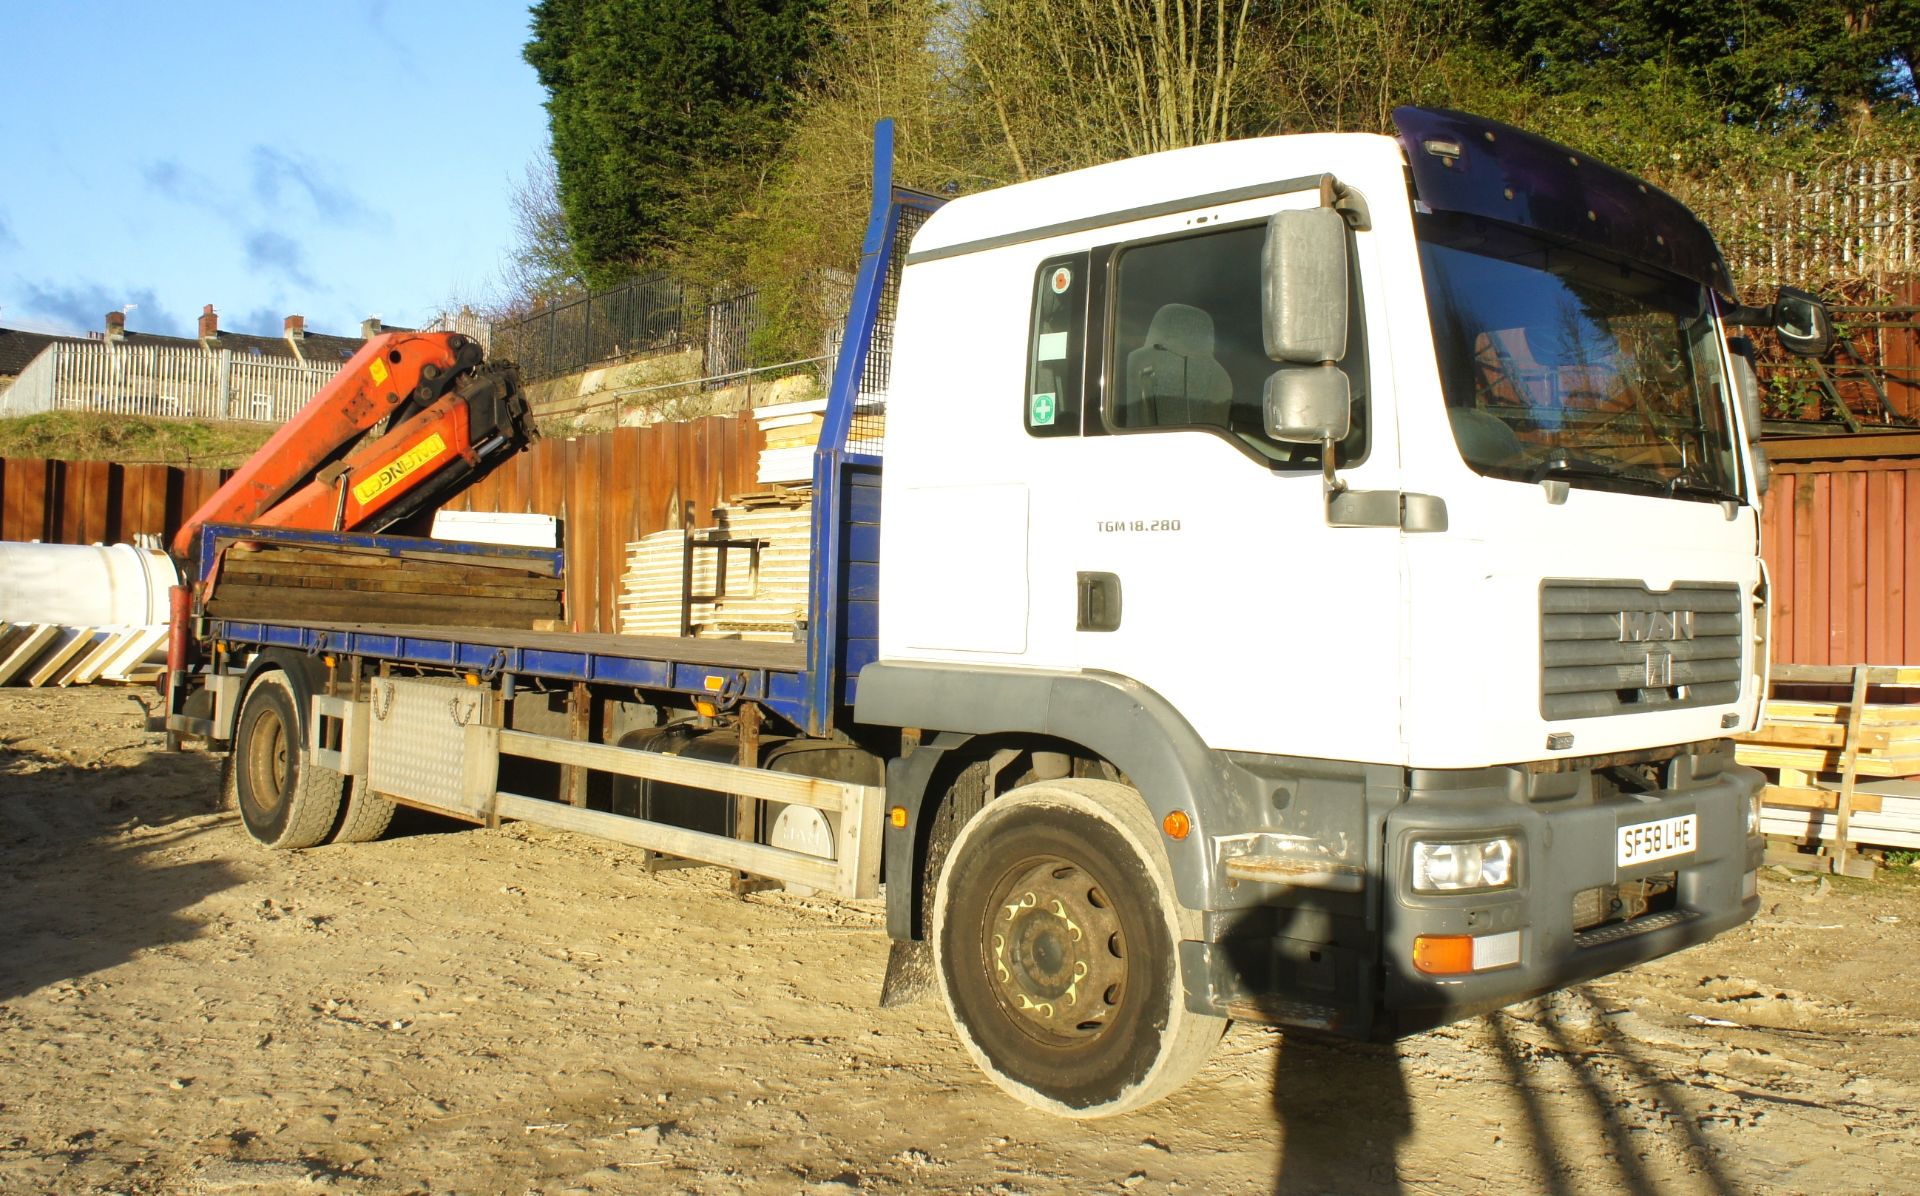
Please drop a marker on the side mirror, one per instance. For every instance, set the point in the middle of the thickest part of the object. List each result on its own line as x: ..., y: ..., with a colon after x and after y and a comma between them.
x: 1802, y: 324
x: 1308, y: 405
x: 1303, y: 287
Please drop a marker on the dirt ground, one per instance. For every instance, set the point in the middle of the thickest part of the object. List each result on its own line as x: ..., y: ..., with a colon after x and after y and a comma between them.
x: 525, y: 1011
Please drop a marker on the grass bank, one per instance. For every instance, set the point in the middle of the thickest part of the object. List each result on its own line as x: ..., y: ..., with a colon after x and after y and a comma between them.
x: 131, y: 439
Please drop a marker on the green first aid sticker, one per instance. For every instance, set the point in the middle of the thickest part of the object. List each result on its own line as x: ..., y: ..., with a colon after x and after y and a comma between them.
x: 1040, y: 410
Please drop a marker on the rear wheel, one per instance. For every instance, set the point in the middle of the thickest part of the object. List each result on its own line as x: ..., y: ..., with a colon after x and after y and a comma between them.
x: 364, y: 814
x: 1056, y: 941
x: 285, y: 800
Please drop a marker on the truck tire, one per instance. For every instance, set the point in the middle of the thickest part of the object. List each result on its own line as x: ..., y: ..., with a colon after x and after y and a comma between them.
x: 1056, y: 943
x: 285, y: 800
x: 364, y: 814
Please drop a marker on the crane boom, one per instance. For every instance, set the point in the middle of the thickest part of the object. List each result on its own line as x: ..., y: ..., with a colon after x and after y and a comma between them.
x: 411, y: 417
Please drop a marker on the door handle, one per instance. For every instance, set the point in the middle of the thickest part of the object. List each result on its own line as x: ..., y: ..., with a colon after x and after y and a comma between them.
x: 1098, y: 608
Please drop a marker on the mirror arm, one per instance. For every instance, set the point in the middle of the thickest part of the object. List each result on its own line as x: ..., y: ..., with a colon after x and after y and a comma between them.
x: 1333, y: 484
x: 1343, y: 199
x: 1744, y: 316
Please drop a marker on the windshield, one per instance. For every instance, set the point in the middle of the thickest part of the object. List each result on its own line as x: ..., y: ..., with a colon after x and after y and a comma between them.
x: 1560, y: 364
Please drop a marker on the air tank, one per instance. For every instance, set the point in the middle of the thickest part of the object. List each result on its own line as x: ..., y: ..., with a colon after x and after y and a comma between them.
x: 84, y: 585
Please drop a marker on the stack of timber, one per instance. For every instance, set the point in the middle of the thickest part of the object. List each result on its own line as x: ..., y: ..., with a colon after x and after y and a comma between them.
x: 345, y: 584
x: 761, y: 592
x: 791, y: 431
x: 1816, y: 768
x: 49, y: 654
x: 650, y: 589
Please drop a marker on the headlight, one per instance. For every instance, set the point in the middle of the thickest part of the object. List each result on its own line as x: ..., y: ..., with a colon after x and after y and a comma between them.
x: 1456, y: 867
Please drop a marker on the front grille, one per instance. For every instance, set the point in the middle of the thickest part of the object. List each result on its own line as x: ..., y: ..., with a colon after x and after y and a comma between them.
x: 1616, y: 647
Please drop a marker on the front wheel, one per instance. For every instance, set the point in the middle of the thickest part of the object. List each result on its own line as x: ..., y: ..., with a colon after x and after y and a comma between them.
x: 1056, y: 940
x: 285, y: 799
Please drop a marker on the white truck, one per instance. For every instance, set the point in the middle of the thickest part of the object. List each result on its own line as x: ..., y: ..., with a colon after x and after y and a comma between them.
x: 1308, y: 579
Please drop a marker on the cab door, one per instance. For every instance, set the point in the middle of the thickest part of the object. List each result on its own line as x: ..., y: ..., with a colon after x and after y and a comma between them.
x: 1171, y: 540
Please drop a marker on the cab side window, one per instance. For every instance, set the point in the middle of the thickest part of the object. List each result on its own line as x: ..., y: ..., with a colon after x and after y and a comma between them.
x: 1187, y: 349
x: 1057, y: 348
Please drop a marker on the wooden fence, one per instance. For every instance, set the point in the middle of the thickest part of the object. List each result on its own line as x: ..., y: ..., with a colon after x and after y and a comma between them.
x: 86, y: 502
x: 607, y: 490
x: 610, y: 489
x: 1838, y: 533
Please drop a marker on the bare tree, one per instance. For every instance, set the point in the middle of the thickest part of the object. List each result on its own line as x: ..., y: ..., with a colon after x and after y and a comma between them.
x: 1073, y: 82
x: 541, y: 265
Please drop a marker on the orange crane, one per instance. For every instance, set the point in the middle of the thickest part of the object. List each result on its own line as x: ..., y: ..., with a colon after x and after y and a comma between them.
x: 411, y: 418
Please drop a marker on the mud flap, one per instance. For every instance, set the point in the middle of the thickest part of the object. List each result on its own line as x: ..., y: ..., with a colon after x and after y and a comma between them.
x: 909, y: 973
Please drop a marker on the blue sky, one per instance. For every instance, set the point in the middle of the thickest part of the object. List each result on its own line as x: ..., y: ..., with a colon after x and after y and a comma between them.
x: 337, y: 159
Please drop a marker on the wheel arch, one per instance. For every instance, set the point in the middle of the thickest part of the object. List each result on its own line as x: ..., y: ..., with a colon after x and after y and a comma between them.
x: 968, y: 713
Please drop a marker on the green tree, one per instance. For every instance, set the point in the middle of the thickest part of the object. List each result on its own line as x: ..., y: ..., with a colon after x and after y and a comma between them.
x: 664, y: 115
x: 1759, y: 63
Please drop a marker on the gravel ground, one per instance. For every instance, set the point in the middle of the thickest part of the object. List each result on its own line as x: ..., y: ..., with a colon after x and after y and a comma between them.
x: 520, y: 1010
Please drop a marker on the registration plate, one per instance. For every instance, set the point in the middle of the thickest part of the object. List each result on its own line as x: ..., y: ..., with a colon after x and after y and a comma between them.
x: 1644, y: 841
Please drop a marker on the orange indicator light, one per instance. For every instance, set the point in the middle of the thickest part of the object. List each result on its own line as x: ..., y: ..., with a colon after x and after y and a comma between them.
x: 1177, y: 825
x: 898, y: 817
x: 1443, y: 954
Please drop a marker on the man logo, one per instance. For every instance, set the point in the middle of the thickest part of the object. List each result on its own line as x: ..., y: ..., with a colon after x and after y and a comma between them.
x: 1659, y: 669
x: 1655, y: 626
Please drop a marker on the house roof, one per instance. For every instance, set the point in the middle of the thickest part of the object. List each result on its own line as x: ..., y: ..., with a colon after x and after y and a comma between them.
x: 19, y: 346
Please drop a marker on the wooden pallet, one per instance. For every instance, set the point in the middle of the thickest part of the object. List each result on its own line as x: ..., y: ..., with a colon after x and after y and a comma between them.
x: 1812, y: 737
x: 1820, y: 750
x: 765, y: 597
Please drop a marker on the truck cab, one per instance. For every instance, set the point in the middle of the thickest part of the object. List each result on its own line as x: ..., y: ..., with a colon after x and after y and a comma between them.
x: 1379, y: 509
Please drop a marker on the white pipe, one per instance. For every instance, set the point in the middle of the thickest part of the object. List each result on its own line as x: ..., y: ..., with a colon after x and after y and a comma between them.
x: 84, y: 585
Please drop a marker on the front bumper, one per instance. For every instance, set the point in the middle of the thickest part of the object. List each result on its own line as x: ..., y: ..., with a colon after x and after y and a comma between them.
x: 1344, y: 962
x: 1568, y: 848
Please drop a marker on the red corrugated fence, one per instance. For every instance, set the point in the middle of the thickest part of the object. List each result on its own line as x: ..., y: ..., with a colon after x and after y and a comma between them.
x: 86, y: 502
x: 1838, y: 534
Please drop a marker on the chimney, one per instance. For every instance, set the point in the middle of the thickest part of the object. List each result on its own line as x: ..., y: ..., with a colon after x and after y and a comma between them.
x: 209, y: 327
x: 370, y: 328
x: 116, y: 326
x: 296, y: 329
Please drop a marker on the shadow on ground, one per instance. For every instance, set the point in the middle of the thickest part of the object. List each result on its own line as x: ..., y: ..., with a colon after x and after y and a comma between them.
x: 1588, y: 1105
x: 88, y: 855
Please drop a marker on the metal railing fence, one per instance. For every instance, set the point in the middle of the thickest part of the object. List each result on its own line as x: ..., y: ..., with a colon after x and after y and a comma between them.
x: 641, y: 316
x: 163, y: 381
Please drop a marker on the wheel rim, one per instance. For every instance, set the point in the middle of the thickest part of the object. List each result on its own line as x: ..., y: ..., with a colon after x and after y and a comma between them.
x: 1056, y: 952
x: 267, y: 762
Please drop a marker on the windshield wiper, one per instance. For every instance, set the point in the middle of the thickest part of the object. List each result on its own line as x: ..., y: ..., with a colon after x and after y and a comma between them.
x: 1563, y: 466
x: 1687, y: 484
